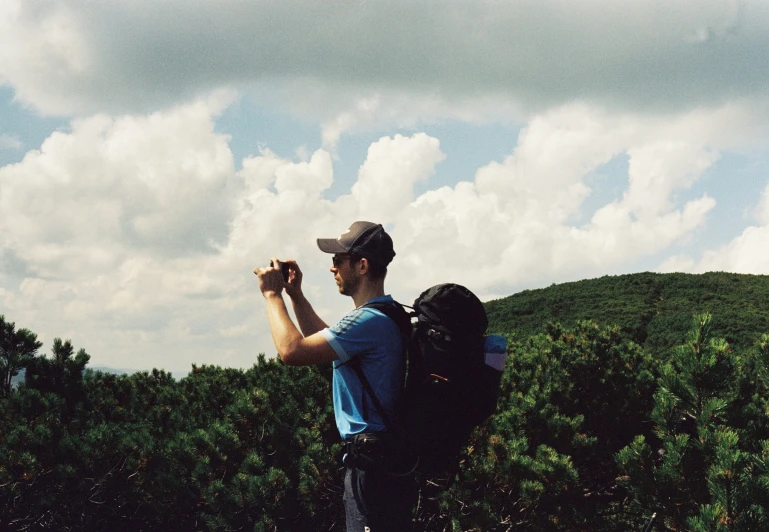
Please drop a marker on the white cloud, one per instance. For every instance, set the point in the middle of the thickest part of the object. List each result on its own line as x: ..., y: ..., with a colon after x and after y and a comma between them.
x: 659, y: 168
x: 65, y: 56
x: 154, y: 182
x: 746, y: 253
x: 110, y: 226
x: 44, y: 49
x: 347, y: 121
x: 9, y: 142
x: 676, y: 263
x: 762, y: 210
x: 137, y: 233
x: 386, y: 180
x: 515, y: 225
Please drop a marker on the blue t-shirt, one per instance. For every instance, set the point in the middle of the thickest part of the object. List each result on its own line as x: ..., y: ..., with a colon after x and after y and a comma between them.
x: 373, y: 338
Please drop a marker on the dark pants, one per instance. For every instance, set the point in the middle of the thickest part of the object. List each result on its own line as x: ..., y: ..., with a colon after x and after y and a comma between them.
x: 375, y: 501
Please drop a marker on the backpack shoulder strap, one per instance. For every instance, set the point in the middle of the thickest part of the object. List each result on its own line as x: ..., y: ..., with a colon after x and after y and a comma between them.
x: 403, y: 320
x: 396, y: 312
x: 355, y: 365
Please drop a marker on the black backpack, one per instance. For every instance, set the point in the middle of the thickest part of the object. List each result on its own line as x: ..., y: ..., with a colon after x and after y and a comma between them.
x: 449, y: 389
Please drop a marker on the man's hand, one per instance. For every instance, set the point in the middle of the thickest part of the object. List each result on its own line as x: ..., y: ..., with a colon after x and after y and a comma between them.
x: 293, y: 348
x: 294, y: 283
x: 270, y: 279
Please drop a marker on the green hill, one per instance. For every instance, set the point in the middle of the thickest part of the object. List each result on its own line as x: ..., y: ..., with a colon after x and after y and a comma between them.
x: 654, y: 310
x: 591, y: 431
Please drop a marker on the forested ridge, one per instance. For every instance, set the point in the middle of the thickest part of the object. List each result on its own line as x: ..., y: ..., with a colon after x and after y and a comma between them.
x: 653, y: 407
x: 654, y: 310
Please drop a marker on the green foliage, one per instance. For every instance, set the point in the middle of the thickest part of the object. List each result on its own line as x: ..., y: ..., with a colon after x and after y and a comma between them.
x: 17, y: 350
x: 570, y: 399
x: 597, y: 428
x: 222, y: 449
x: 703, y: 470
x: 653, y: 310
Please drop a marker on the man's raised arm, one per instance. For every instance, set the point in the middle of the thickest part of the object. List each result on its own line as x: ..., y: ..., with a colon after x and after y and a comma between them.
x: 293, y: 348
x: 309, y: 321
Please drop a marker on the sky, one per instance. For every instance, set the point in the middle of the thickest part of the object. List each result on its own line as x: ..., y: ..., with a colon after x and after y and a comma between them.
x: 153, y: 153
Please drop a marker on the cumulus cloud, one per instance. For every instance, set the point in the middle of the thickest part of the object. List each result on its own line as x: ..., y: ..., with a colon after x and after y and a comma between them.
x: 155, y: 181
x: 516, y: 223
x: 762, y: 209
x: 386, y: 180
x: 745, y: 253
x: 348, y: 121
x: 63, y: 56
x: 103, y: 224
x: 137, y: 233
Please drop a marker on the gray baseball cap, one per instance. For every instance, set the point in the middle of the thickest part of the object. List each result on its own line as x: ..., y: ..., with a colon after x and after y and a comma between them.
x: 365, y: 239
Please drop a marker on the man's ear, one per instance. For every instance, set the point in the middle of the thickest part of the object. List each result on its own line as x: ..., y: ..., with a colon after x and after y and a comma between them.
x: 363, y: 265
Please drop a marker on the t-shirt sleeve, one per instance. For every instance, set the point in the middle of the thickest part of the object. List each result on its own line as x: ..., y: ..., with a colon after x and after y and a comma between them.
x: 354, y: 334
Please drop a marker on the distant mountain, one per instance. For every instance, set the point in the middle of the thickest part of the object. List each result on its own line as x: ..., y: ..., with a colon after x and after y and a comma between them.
x: 654, y: 310
x: 104, y: 369
x: 116, y: 371
x: 123, y: 371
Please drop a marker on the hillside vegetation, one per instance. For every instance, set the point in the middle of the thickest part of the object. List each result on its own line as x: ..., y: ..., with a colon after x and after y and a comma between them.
x: 593, y: 431
x: 654, y: 310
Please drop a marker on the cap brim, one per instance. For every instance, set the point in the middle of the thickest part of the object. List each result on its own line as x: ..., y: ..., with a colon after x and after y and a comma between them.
x: 330, y: 245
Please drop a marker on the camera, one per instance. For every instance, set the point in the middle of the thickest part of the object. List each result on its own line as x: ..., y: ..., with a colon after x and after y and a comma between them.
x: 283, y: 269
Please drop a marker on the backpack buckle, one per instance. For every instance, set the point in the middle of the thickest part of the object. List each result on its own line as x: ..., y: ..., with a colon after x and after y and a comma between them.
x: 438, y: 335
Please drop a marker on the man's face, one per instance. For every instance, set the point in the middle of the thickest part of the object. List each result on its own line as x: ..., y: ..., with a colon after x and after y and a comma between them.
x: 345, y: 274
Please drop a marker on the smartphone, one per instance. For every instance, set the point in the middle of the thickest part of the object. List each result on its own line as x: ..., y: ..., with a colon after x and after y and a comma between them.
x: 283, y: 269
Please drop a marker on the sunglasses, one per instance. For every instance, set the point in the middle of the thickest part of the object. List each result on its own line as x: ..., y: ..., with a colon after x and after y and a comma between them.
x: 338, y: 260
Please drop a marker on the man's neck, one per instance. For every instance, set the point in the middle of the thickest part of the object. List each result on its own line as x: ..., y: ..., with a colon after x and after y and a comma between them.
x: 367, y: 292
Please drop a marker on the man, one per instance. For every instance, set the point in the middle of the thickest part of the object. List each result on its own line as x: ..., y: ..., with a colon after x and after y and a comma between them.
x: 377, y: 494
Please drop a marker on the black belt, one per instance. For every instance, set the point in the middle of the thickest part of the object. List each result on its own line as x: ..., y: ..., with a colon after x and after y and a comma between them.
x: 376, y: 451
x: 361, y: 450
